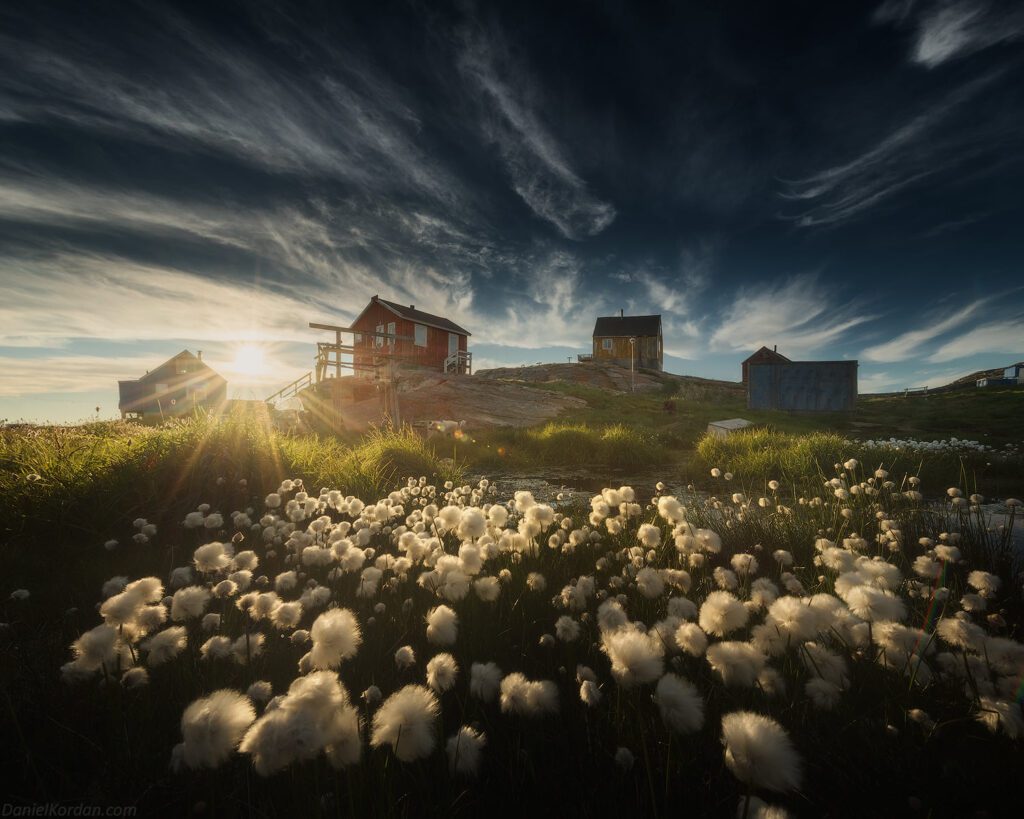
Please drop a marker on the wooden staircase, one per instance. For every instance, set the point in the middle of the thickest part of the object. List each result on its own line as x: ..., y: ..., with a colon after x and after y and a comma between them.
x: 459, y: 362
x: 293, y: 389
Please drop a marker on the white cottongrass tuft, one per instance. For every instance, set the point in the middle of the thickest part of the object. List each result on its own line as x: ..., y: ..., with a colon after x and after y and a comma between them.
x: 649, y: 536
x: 213, y: 557
x: 213, y: 726
x: 590, y: 693
x: 691, y: 638
x: 721, y: 613
x: 738, y: 664
x: 189, y: 602
x: 871, y: 603
x: 407, y: 722
x: 442, y: 626
x: 405, y: 657
x: 681, y: 706
x: 759, y: 752
x: 165, y: 645
x: 442, y: 671
x: 484, y: 681
x: 637, y: 657
x: 315, y: 715
x: 464, y: 750
x: 995, y: 714
x: 650, y: 583
x: 528, y: 698
x: 566, y: 629
x: 750, y: 807
x: 984, y: 582
x: 336, y: 636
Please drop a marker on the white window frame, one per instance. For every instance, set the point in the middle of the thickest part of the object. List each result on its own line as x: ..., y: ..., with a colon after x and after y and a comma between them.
x: 391, y: 332
x: 606, y: 344
x: 420, y: 332
x: 378, y: 339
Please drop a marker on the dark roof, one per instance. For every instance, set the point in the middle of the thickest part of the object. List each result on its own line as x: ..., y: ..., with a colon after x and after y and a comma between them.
x: 411, y: 313
x: 627, y: 326
x: 169, y: 368
x: 766, y: 355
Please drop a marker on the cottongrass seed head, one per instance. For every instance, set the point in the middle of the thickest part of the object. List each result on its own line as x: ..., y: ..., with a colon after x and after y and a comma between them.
x: 407, y: 722
x: 336, y: 636
x: 212, y: 727
x: 465, y: 750
x: 759, y: 752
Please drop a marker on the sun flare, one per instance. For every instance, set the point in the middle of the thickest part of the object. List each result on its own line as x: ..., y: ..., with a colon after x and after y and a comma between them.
x: 249, y: 359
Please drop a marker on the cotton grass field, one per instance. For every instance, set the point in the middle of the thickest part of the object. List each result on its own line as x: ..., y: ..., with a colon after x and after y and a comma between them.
x: 193, y: 628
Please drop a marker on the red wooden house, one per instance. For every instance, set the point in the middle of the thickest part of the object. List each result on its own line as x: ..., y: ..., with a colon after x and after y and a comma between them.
x: 409, y: 337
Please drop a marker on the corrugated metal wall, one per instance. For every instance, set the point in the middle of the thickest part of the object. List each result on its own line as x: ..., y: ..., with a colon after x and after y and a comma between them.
x: 810, y: 386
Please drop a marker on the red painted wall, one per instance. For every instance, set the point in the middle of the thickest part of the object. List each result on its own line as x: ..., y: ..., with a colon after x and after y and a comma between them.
x: 431, y: 357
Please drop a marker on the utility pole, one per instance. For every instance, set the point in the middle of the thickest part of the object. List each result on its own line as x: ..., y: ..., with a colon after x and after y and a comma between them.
x: 632, y: 364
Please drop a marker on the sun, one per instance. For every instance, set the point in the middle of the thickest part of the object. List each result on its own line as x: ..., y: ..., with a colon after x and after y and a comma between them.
x: 249, y: 360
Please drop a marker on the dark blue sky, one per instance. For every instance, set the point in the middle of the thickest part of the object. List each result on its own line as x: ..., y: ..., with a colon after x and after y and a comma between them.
x: 840, y: 179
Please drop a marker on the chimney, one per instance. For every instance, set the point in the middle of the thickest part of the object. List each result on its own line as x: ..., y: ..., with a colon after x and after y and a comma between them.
x: 621, y: 313
x: 199, y: 354
x: 412, y: 306
x: 775, y: 348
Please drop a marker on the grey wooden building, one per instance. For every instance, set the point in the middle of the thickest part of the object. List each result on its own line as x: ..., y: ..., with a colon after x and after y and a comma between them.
x: 180, y: 386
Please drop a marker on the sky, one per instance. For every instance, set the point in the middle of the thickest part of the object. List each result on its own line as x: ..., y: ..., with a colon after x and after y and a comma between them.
x: 842, y: 180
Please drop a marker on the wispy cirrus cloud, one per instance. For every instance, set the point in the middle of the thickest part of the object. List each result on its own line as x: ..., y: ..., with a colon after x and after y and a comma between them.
x: 552, y: 303
x: 538, y: 167
x: 798, y: 314
x: 1005, y: 336
x: 916, y: 150
x: 943, y: 30
x: 173, y: 85
x: 908, y: 345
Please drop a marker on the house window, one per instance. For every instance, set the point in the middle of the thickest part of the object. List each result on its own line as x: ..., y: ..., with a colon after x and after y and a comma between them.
x: 379, y: 340
x: 357, y: 338
x: 421, y: 335
x: 391, y: 332
x: 161, y: 388
x: 606, y: 344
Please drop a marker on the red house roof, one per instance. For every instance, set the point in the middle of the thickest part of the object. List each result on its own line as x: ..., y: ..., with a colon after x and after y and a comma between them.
x: 766, y: 355
x: 412, y: 314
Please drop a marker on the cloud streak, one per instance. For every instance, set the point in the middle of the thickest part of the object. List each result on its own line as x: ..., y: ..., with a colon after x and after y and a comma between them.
x: 908, y: 345
x: 798, y: 315
x: 995, y: 337
x: 538, y: 168
x: 915, y: 151
x: 944, y: 30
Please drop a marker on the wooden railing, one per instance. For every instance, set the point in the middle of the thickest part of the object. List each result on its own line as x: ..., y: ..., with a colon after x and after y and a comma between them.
x: 292, y: 389
x: 459, y: 362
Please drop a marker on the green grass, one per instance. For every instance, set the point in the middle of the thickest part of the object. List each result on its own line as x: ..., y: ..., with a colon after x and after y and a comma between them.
x: 75, y: 487
x: 759, y: 455
x: 565, y: 444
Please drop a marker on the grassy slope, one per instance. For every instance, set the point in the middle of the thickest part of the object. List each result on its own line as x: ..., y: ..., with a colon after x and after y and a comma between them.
x: 989, y: 416
x: 67, y: 490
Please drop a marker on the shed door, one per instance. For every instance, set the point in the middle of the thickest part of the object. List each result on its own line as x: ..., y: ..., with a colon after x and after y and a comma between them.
x: 453, y: 343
